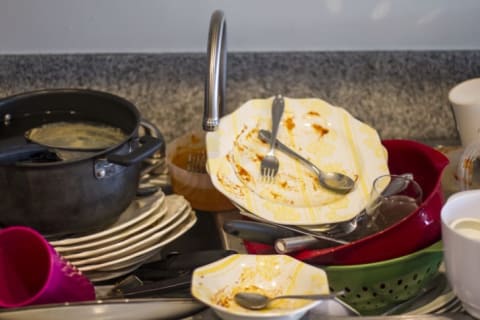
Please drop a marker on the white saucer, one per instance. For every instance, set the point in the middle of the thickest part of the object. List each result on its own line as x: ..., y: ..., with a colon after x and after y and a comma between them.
x: 133, y: 257
x: 172, y: 209
x: 131, y: 245
x: 138, y: 210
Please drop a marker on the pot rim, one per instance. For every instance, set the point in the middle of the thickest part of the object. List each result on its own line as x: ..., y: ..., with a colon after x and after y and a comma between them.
x: 90, y: 92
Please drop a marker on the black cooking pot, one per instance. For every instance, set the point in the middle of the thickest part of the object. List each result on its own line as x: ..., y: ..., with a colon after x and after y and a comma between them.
x: 78, y: 195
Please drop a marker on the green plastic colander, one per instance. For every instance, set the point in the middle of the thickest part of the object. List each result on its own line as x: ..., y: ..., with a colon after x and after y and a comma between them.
x: 374, y: 288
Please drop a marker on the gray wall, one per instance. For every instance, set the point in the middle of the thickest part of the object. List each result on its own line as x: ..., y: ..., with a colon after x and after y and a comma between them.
x: 152, y: 26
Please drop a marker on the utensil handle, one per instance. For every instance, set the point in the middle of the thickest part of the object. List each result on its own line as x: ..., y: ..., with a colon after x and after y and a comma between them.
x: 316, y: 235
x: 256, y: 231
x: 158, y: 287
x: 17, y: 149
x: 278, y: 106
x: 268, y: 137
x: 149, y: 146
x: 293, y: 244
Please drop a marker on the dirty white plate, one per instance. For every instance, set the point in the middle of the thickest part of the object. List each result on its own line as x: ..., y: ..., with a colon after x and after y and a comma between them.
x: 99, y: 276
x: 118, y: 309
x: 88, y: 246
x: 136, y: 256
x: 328, y: 136
x: 131, y: 245
x: 138, y: 210
x: 173, y: 209
x: 216, y: 284
x: 119, y: 270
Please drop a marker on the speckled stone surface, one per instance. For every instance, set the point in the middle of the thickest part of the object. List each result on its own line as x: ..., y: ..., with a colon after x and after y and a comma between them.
x: 401, y: 94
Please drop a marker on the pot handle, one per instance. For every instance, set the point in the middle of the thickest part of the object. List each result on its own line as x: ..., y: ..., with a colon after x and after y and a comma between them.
x: 152, y: 130
x: 149, y: 146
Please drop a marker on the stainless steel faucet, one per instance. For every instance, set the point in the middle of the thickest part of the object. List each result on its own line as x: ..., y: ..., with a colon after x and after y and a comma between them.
x: 215, y: 84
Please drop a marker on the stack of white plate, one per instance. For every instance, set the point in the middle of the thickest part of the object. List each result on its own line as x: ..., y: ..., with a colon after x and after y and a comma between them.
x: 141, y: 231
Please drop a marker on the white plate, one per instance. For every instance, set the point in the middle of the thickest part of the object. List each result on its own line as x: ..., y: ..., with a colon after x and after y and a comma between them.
x: 174, y: 207
x: 123, y: 265
x: 327, y: 135
x: 142, y: 255
x: 155, y: 216
x: 138, y: 210
x: 216, y: 284
x: 99, y: 276
x: 126, y: 249
x: 118, y: 309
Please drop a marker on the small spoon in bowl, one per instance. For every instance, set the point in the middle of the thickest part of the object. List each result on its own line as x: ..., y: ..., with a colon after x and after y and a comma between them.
x: 258, y: 301
x: 335, y: 181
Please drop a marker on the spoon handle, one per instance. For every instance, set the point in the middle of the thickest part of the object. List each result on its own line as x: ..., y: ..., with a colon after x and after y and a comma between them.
x: 267, y: 137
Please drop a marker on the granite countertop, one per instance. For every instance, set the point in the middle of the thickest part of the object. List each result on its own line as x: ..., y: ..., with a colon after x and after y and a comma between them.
x: 402, y: 94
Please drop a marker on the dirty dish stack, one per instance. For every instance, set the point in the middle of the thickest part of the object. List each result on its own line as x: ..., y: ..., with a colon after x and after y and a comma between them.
x: 337, y: 142
x: 140, y: 233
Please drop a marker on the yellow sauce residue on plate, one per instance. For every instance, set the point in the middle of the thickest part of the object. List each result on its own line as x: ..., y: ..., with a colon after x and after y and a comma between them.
x: 326, y: 135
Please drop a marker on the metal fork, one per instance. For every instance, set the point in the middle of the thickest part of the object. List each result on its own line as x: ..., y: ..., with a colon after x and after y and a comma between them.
x: 196, y: 162
x: 269, y: 164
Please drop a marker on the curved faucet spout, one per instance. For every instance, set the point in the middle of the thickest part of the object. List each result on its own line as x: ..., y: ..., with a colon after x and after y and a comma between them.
x: 215, y: 84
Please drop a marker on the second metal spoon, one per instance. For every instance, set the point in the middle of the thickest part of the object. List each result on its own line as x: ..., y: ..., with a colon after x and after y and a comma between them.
x: 334, y: 181
x: 258, y: 301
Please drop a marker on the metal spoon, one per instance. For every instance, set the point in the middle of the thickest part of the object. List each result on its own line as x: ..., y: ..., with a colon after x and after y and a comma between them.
x: 258, y: 301
x: 334, y: 181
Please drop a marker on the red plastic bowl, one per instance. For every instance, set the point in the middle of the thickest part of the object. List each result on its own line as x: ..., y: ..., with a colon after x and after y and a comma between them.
x: 416, y: 231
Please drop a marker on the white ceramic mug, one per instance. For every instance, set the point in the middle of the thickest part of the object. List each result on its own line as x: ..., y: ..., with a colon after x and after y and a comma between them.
x: 465, y: 101
x: 461, y: 242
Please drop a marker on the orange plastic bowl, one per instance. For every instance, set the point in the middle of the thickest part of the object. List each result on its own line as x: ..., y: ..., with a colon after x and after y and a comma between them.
x: 196, y: 187
x: 416, y: 231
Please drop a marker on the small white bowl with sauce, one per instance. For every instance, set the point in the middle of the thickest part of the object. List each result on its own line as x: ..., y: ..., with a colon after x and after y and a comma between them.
x: 468, y: 227
x: 461, y: 242
x: 217, y: 283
